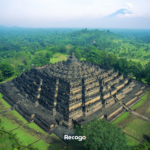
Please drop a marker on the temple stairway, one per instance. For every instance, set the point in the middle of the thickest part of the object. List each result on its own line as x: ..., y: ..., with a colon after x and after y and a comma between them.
x: 140, y: 116
x: 135, y: 113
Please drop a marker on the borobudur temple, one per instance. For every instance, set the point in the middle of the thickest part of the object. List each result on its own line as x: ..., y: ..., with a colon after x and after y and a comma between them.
x: 71, y: 92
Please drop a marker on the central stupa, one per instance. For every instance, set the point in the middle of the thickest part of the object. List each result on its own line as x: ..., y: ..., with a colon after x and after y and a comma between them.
x: 72, y: 61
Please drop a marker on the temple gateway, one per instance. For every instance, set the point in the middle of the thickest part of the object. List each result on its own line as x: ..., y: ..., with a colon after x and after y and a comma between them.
x: 71, y: 92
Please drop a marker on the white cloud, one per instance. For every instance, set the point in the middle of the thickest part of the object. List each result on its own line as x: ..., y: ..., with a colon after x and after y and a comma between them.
x: 126, y: 15
x: 37, y: 11
x: 130, y: 5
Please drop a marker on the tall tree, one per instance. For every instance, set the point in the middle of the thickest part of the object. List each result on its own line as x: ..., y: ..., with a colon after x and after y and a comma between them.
x: 7, y: 70
x: 147, y: 68
x: 40, y: 59
x: 89, y: 48
x: 1, y: 76
x: 94, y: 57
x: 49, y: 54
x: 77, y: 53
x: 148, y: 79
x: 122, y: 66
x: 111, y: 60
x: 137, y: 70
x: 101, y: 135
x: 103, y: 57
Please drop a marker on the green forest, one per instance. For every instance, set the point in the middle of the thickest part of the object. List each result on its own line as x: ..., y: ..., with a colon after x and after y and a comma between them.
x: 126, y: 51
x: 23, y: 48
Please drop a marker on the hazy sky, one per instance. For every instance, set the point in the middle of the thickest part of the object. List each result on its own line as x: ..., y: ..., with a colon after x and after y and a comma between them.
x: 36, y: 13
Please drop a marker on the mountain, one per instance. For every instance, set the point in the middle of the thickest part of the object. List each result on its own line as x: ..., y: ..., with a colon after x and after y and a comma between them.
x: 110, y: 21
x: 118, y: 12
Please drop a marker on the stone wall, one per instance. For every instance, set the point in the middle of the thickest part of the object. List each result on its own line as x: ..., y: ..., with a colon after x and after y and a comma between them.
x: 115, y: 112
x: 93, y: 109
x: 139, y: 92
x: 93, y: 100
x: 108, y: 100
x: 142, y: 87
x: 115, y: 116
x: 113, y: 91
x: 106, y: 95
x: 133, y: 103
x: 131, y: 100
x: 109, y: 103
x: 119, y: 86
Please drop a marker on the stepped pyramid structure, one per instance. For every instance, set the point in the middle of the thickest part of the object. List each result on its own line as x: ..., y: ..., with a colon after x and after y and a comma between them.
x: 71, y: 92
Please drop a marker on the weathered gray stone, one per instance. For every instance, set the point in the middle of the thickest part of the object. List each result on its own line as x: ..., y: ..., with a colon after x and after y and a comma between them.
x: 66, y: 92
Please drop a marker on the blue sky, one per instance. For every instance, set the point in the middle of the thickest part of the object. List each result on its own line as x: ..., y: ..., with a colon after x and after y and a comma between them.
x: 57, y: 13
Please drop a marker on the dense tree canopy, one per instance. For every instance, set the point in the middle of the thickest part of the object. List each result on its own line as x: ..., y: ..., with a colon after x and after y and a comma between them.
x: 1, y: 76
x: 77, y: 53
x: 20, y: 49
x: 101, y: 135
x: 23, y: 48
x: 93, y: 56
x: 49, y: 54
x: 41, y: 59
x: 6, y: 70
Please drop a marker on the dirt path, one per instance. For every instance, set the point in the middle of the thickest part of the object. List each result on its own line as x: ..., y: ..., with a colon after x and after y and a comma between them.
x: 2, y: 112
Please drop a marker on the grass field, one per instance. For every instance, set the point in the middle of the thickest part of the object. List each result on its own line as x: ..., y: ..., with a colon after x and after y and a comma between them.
x: 122, y: 117
x: 131, y: 141
x: 35, y: 127
x: 132, y: 50
x: 27, y: 138
x: 138, y: 128
x: 143, y: 99
x: 135, y: 127
x: 58, y: 57
x: 82, y: 59
x: 3, y: 103
x: 143, y: 62
x: 5, y: 142
x: 28, y: 133
x: 43, y: 51
x: 148, y: 110
x: 7, y: 124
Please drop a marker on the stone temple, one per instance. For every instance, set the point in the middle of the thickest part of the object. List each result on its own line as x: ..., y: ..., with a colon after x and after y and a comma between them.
x: 71, y: 92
